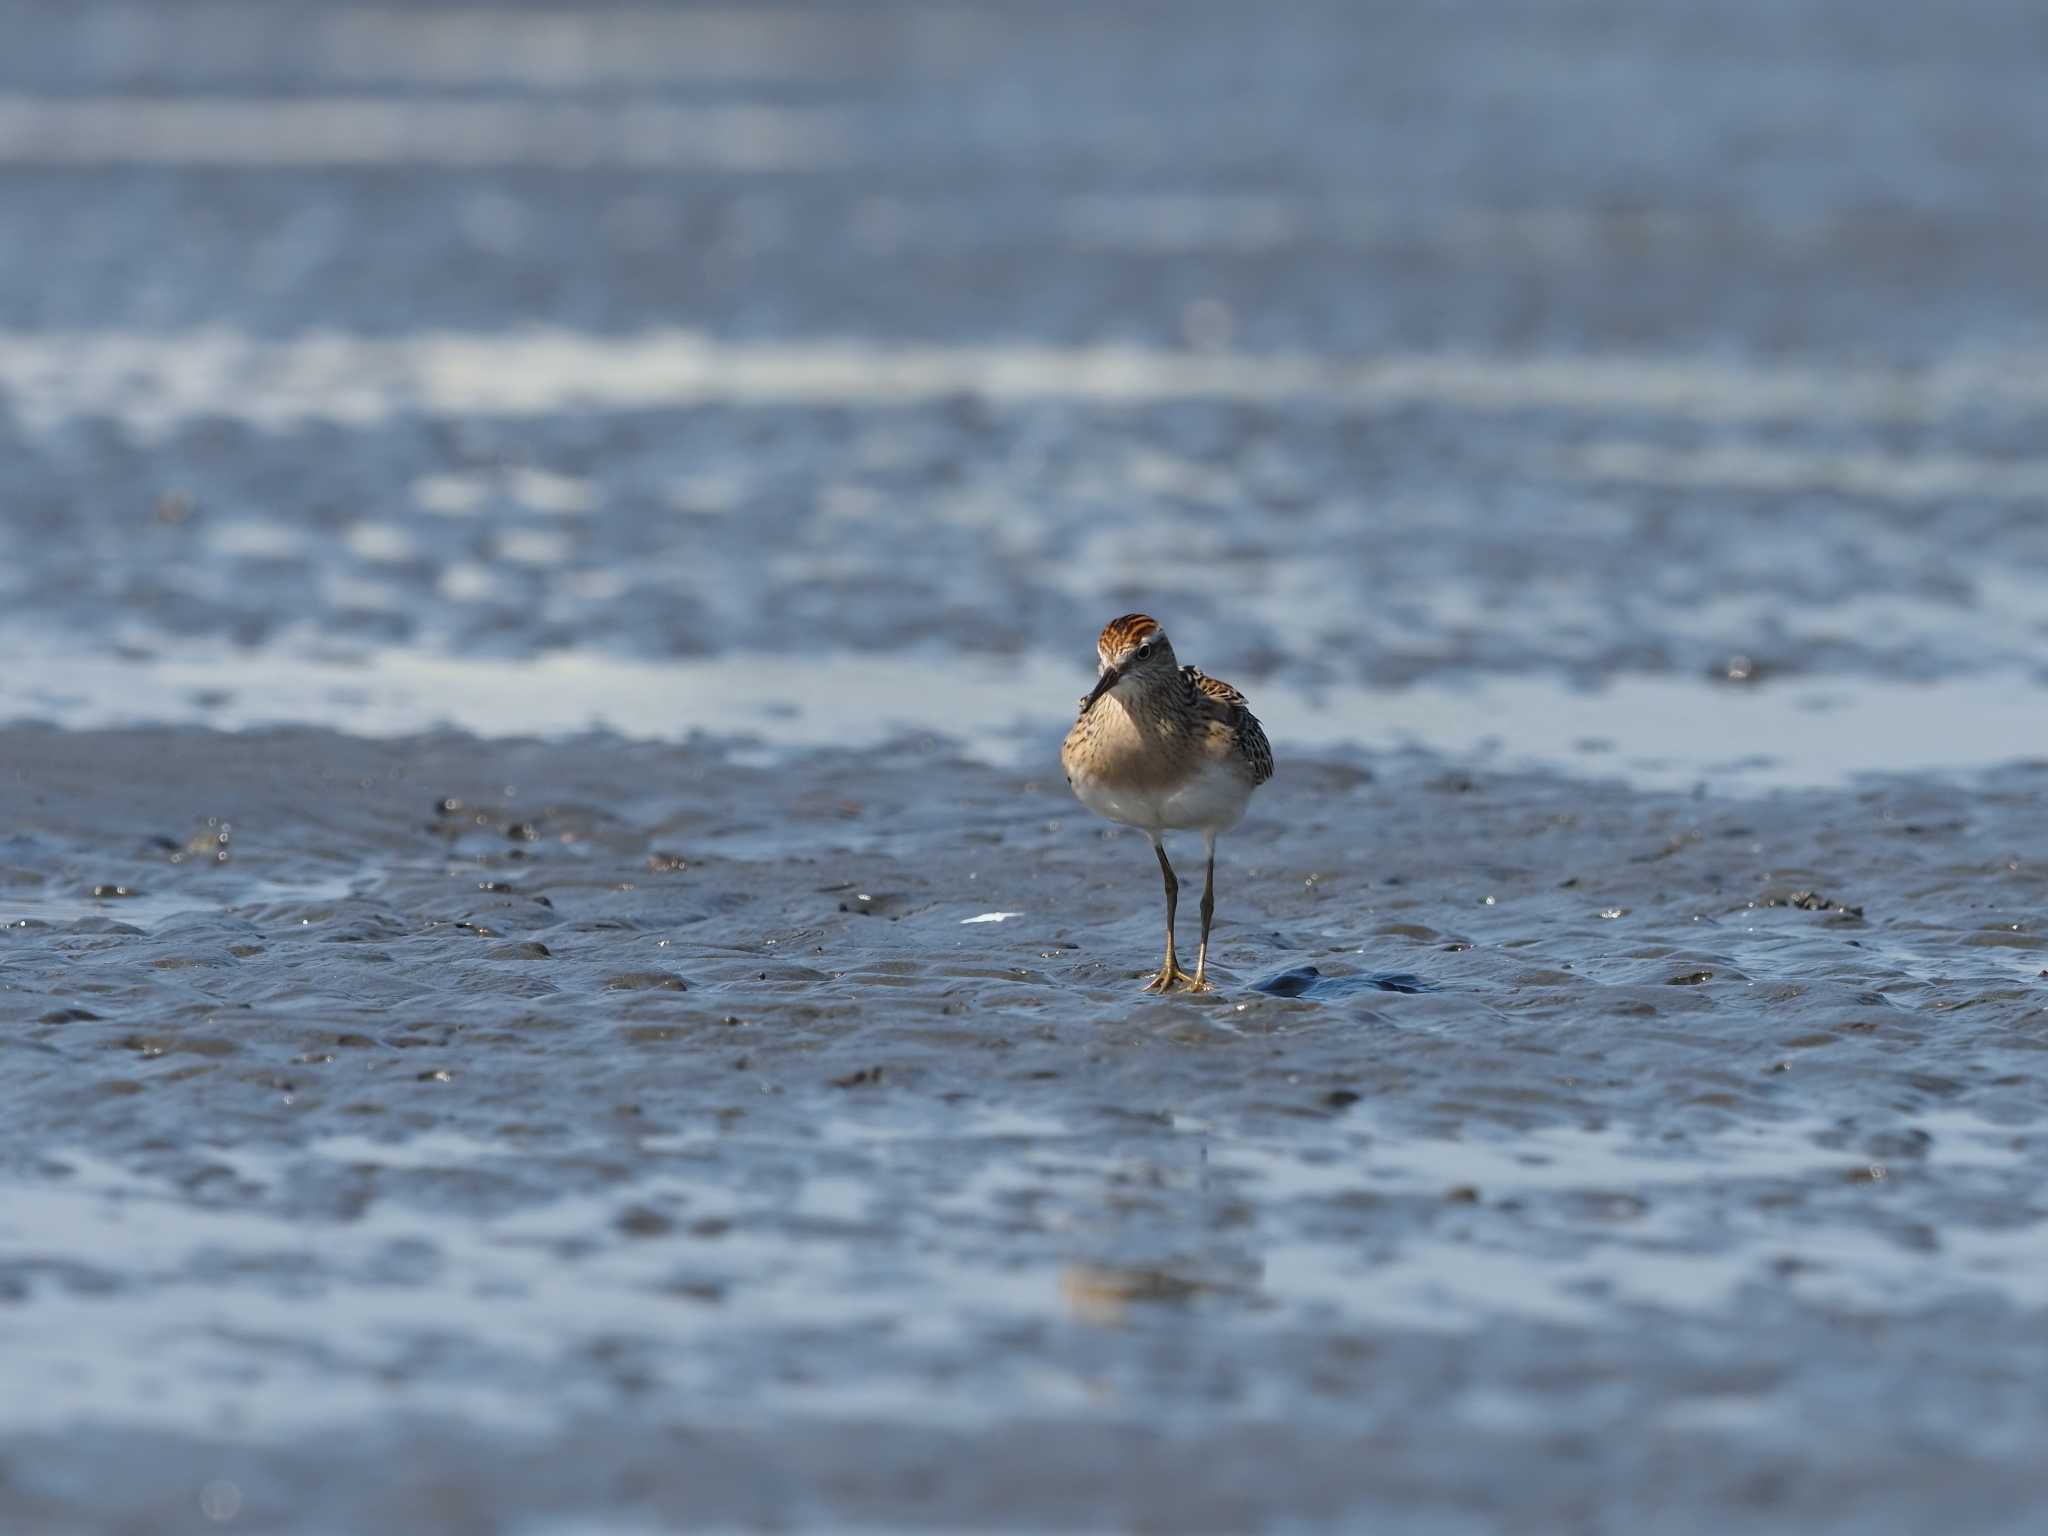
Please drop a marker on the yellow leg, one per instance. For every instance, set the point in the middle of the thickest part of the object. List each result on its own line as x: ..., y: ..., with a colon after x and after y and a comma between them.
x: 1169, y: 971
x: 1200, y: 982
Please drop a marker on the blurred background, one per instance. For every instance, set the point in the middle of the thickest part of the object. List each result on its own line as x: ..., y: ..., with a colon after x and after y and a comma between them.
x: 815, y: 369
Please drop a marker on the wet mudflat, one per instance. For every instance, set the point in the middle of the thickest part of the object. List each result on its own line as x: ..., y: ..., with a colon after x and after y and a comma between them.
x: 510, y: 1134
x: 549, y: 982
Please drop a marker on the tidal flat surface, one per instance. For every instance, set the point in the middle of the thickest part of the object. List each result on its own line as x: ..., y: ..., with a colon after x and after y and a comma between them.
x: 549, y: 982
x: 487, y: 1133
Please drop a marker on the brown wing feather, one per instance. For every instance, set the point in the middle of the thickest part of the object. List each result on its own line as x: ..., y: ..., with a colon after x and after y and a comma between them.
x: 1226, y: 705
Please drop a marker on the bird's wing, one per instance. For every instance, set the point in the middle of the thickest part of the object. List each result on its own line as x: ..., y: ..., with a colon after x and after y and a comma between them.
x: 1227, y: 707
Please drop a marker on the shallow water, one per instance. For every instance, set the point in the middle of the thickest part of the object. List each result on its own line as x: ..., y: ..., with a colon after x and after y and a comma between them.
x: 548, y: 978
x: 1650, y: 730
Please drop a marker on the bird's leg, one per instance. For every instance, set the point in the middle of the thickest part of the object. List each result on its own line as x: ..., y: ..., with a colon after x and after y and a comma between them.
x: 1200, y: 983
x: 1169, y: 972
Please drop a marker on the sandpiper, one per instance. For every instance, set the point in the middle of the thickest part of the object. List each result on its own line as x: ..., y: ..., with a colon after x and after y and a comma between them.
x: 1162, y: 748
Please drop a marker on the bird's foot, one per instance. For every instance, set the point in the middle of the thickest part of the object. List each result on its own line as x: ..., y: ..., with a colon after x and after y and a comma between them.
x: 1170, y: 976
x: 1199, y: 983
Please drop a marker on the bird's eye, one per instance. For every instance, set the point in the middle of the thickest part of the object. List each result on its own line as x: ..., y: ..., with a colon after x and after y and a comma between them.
x: 1144, y: 651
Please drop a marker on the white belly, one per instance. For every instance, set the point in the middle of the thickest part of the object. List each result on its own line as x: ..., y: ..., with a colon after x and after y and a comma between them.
x: 1212, y: 801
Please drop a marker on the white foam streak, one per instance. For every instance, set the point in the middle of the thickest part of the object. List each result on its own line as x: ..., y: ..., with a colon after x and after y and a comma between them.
x: 378, y: 131
x: 560, y: 48
x: 554, y: 49
x: 152, y: 381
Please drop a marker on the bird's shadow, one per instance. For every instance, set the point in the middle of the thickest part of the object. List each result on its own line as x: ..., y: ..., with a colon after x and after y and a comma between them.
x: 1307, y: 982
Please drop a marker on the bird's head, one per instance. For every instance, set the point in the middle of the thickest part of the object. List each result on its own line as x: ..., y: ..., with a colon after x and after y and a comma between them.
x: 1133, y: 652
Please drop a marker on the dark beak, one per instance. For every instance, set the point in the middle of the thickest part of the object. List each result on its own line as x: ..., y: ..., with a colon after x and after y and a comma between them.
x: 1103, y: 684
